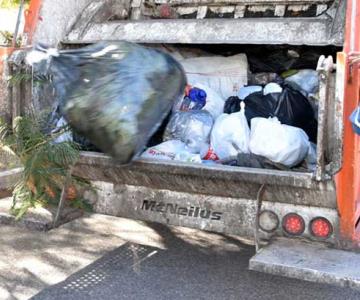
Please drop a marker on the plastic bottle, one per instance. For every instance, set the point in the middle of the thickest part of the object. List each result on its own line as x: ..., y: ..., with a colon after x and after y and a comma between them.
x: 198, y: 96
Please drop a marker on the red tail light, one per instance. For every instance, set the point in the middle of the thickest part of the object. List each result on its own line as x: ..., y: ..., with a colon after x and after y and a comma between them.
x: 321, y: 228
x: 293, y: 224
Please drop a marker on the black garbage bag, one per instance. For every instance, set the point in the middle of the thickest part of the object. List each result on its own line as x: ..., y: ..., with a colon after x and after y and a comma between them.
x: 258, y: 105
x: 115, y: 94
x: 290, y: 107
x: 268, y: 59
x: 294, y: 109
x: 232, y: 104
x: 250, y: 160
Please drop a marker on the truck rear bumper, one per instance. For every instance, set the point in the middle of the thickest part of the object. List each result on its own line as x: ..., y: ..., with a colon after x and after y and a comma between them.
x: 309, y: 261
x: 206, y: 212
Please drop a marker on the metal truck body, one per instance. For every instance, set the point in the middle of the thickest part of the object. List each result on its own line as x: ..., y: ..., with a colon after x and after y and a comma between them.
x: 222, y: 198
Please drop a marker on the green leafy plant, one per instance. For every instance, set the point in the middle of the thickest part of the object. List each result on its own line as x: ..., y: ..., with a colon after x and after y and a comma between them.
x: 47, y: 165
x: 11, y: 3
x: 7, y: 37
x: 26, y: 76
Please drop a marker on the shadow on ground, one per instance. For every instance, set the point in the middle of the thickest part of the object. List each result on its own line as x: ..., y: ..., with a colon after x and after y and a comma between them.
x: 190, y: 265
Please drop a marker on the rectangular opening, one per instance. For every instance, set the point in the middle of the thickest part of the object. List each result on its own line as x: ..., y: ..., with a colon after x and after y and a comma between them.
x: 288, y: 58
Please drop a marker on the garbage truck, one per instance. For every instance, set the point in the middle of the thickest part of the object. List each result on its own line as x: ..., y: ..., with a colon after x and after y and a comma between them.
x: 311, y: 207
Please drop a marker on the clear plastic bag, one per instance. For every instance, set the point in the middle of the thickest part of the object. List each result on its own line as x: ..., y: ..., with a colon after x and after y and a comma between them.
x: 214, y: 104
x: 191, y: 127
x: 171, y: 150
x: 165, y: 151
x: 306, y: 81
x: 116, y: 94
x: 277, y: 142
x: 231, y: 134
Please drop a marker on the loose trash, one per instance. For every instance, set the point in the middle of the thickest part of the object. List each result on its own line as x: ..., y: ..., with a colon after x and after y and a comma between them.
x: 231, y: 134
x: 277, y: 142
x: 224, y: 75
x: 250, y: 160
x: 247, y: 90
x: 282, y: 59
x: 188, y: 157
x: 191, y: 127
x: 263, y: 78
x: 208, y: 153
x: 171, y: 150
x: 306, y: 81
x: 194, y: 99
x: 116, y: 94
x: 198, y: 96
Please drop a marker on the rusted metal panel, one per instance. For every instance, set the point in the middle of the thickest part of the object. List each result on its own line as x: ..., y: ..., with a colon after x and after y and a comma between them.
x: 326, y: 101
x: 295, y: 31
x: 206, y: 212
x: 227, y: 2
x: 224, y: 181
x: 225, y: 9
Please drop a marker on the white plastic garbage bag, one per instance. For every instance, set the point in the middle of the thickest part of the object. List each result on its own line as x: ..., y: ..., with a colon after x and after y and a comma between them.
x: 225, y: 75
x: 231, y: 134
x: 191, y: 127
x: 272, y: 87
x: 214, y: 102
x: 171, y: 150
x: 248, y: 90
x: 279, y: 143
x: 306, y: 81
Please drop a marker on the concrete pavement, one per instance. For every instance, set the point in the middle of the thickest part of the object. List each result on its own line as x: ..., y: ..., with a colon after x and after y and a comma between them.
x: 115, y: 258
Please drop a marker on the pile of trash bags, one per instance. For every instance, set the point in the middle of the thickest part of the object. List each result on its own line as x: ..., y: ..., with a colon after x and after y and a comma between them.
x: 209, y: 109
x: 270, y: 123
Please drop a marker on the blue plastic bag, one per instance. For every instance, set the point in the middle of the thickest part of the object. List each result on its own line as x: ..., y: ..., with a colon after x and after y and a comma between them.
x: 355, y: 120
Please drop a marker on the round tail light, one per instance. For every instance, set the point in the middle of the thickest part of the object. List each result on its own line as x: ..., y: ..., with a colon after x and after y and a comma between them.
x: 321, y: 228
x: 268, y: 221
x: 293, y: 224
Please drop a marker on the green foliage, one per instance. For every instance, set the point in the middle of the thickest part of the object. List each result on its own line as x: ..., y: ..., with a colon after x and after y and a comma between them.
x: 24, y: 76
x: 7, y: 37
x: 19, y: 78
x: 45, y: 163
x: 11, y: 3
